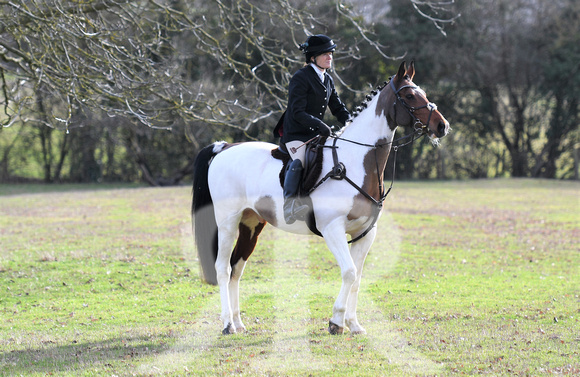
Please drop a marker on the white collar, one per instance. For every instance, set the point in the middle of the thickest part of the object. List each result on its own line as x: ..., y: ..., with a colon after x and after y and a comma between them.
x: 318, y: 72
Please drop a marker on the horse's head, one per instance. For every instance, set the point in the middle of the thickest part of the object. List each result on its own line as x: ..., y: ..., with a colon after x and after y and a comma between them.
x: 407, y: 105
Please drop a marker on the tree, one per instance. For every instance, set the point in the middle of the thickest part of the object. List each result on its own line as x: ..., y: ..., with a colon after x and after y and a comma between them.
x: 505, y: 61
x: 561, y: 82
x: 152, y: 61
x: 195, y: 68
x: 163, y: 64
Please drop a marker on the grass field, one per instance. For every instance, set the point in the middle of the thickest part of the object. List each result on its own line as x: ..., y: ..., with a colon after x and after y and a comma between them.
x: 465, y: 278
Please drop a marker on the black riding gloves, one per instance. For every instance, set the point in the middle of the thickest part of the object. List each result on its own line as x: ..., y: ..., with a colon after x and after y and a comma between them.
x: 324, y: 130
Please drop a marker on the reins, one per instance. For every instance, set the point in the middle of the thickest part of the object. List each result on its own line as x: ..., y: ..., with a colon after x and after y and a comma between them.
x: 338, y: 172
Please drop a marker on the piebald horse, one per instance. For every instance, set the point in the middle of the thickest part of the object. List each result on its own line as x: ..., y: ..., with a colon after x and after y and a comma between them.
x: 237, y: 190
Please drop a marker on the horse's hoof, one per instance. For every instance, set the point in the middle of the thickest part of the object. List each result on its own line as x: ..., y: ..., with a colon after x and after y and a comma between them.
x: 334, y: 329
x: 359, y: 332
x: 355, y: 328
x: 229, y: 330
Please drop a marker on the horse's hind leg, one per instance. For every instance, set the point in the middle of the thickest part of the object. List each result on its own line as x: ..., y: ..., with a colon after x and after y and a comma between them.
x: 359, y: 251
x: 248, y: 232
x: 227, y: 230
x: 234, y: 290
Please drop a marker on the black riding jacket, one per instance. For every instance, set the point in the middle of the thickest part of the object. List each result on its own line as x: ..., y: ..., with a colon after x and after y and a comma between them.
x: 308, y: 99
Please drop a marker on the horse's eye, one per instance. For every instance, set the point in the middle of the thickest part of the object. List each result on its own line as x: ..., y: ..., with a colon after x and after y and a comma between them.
x: 409, y: 96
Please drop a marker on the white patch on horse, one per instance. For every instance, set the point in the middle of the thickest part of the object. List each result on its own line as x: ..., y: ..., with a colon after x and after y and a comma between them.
x: 218, y: 146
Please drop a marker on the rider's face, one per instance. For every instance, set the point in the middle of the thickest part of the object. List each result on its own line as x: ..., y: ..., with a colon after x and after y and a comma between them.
x: 324, y: 60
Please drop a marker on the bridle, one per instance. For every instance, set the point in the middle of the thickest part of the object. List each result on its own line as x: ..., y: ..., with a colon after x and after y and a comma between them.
x: 411, y: 109
x: 419, y: 128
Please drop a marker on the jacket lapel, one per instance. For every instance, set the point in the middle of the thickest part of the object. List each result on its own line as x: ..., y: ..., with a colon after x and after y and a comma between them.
x: 315, y: 78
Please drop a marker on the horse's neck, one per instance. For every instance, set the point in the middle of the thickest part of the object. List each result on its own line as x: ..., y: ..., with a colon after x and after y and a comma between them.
x: 369, y: 129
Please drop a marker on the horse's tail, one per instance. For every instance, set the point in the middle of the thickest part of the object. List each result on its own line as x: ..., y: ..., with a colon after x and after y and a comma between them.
x: 203, y: 216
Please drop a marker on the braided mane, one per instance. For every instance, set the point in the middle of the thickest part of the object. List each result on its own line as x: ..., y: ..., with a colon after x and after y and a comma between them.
x: 368, y: 98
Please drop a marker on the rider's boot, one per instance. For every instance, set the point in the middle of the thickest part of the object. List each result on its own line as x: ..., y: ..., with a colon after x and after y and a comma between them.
x: 293, y: 208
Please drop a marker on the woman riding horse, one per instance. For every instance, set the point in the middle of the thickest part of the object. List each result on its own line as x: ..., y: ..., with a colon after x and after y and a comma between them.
x: 236, y: 192
x: 310, y: 92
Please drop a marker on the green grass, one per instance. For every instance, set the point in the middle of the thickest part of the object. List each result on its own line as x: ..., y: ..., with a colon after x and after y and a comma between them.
x: 465, y: 278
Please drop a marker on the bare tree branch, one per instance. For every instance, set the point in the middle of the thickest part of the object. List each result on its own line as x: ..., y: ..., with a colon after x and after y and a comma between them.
x: 148, y: 60
x: 436, y: 7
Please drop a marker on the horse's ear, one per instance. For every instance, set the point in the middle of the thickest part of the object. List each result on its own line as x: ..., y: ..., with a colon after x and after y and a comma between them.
x: 411, y: 70
x: 401, y: 72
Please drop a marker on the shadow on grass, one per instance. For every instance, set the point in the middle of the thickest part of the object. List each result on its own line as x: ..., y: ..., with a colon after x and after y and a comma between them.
x: 10, y: 189
x: 109, y: 354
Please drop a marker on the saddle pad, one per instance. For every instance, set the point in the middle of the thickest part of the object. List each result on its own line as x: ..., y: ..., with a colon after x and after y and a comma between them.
x: 313, y: 167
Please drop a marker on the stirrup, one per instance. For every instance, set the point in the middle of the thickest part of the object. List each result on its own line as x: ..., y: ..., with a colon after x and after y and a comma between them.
x: 294, y: 211
x: 299, y: 211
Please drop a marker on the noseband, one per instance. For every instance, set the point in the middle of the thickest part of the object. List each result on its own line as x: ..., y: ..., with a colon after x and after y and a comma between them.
x: 418, y: 125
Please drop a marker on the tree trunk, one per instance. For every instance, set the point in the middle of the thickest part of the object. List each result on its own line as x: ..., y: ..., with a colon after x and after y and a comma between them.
x: 132, y: 142
x: 64, y: 147
x: 83, y: 145
x: 45, y: 135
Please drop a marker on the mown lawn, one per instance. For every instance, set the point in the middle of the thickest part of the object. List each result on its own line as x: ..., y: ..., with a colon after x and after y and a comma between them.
x: 465, y: 278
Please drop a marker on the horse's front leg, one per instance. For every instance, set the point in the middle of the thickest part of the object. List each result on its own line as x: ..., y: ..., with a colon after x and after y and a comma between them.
x: 359, y: 251
x: 335, y: 237
x: 227, y: 231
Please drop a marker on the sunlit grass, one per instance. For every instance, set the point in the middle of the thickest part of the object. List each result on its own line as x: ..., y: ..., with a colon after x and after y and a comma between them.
x: 477, y: 277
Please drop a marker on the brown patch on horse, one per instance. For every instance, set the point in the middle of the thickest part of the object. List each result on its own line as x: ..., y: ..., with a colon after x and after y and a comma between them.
x: 267, y: 209
x: 373, y: 180
x: 385, y: 103
x: 249, y: 229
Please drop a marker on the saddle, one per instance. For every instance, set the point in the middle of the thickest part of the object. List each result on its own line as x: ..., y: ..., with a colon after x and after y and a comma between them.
x: 310, y: 175
x: 313, y: 163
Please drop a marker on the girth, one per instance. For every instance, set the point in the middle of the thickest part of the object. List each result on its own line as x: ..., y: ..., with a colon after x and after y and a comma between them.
x: 338, y: 172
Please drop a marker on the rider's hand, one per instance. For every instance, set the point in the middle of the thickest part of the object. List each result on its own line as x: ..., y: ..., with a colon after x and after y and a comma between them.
x: 324, y: 130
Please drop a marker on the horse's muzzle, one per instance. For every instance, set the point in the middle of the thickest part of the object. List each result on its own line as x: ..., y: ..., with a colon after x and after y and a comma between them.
x: 442, y: 128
